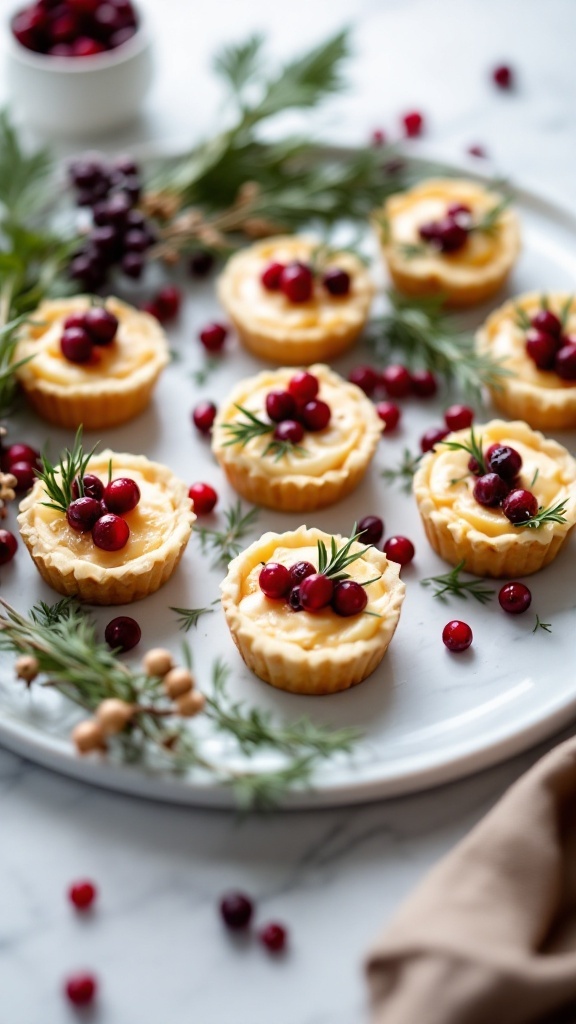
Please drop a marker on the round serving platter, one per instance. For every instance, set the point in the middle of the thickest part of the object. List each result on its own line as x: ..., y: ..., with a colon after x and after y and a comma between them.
x: 426, y: 716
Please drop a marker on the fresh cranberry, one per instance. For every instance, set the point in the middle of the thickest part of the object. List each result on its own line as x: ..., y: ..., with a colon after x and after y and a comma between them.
x: 519, y: 505
x: 25, y: 475
x: 457, y: 636
x: 213, y: 337
x: 366, y: 378
x: 274, y: 580
x: 432, y: 437
x: 8, y: 546
x: 271, y: 276
x: 542, y: 348
x: 83, y: 513
x: 122, y: 633
x: 19, y: 453
x: 289, y: 431
x: 378, y: 138
x: 203, y: 416
x: 201, y: 263
x: 413, y: 123
x: 82, y: 895
x: 76, y: 345
x: 299, y: 571
x: 459, y: 210
x: 85, y: 46
x: 505, y: 461
x: 294, y: 600
x: 478, y: 151
x: 132, y: 265
x: 101, y: 325
x: 76, y: 319
x: 450, y: 235
x: 153, y: 309
x: 121, y: 495
x: 336, y: 281
x: 371, y: 529
x: 397, y: 381
x: 236, y: 910
x: 514, y: 598
x: 389, y: 413
x: 490, y: 490
x: 273, y: 937
x: 111, y: 533
x: 547, y: 321
x: 204, y: 497
x: 458, y: 417
x: 428, y: 231
x: 424, y: 383
x: 169, y: 300
x: 64, y: 28
x: 315, y: 415
x: 349, y: 598
x: 280, y: 405
x: 399, y: 549
x: 304, y: 386
x: 296, y: 282
x: 503, y: 76
x: 27, y: 29
x: 92, y: 487
x: 565, y: 362
x: 81, y: 989
x: 316, y: 592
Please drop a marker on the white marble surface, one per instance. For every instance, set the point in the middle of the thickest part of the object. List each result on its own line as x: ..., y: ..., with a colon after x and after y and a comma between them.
x: 334, y: 877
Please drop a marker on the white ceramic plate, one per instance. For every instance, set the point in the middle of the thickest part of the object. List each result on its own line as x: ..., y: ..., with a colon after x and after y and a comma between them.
x: 428, y: 716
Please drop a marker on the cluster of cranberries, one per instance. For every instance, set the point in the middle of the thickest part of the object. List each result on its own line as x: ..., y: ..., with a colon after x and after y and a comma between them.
x: 549, y: 348
x: 296, y: 280
x: 297, y: 408
x: 100, y: 509
x: 456, y: 417
x: 306, y: 589
x: 86, y: 330
x: 513, y: 598
x: 237, y: 910
x: 500, y: 486
x: 23, y: 462
x: 75, y: 28
x: 120, y: 234
x: 450, y: 232
x: 396, y: 381
x: 165, y: 304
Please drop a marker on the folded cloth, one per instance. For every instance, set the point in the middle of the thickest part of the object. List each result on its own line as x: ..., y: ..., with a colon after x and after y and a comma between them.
x: 489, y: 937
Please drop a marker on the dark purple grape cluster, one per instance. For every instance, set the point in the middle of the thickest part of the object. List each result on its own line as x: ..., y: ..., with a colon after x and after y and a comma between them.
x: 120, y: 235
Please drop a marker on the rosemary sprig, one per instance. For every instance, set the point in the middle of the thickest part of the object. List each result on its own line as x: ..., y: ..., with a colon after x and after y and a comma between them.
x: 452, y: 584
x: 473, y: 447
x: 190, y: 617
x: 489, y: 220
x: 403, y: 473
x: 521, y: 318
x: 334, y: 564
x: 201, y: 375
x: 565, y: 312
x: 419, y: 330
x: 242, y: 431
x: 552, y: 514
x: 546, y: 626
x: 58, y: 480
x: 226, y: 543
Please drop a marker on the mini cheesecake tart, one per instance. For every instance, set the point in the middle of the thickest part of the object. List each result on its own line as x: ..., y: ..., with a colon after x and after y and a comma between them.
x: 459, y: 528
x: 434, y: 243
x: 160, y: 528
x: 533, y: 391
x: 302, y: 651
x: 112, y: 387
x: 322, y: 468
x: 294, y: 333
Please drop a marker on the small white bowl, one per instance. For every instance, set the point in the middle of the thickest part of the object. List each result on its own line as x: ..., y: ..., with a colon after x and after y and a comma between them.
x: 80, y: 96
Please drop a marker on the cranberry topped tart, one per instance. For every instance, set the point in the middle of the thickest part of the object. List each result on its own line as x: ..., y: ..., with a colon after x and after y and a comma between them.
x: 451, y: 238
x: 293, y: 301
x: 310, y: 613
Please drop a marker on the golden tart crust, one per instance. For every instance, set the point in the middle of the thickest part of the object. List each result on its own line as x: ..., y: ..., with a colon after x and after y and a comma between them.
x: 540, y: 397
x: 291, y: 333
x: 160, y: 528
x: 463, y: 278
x: 460, y: 529
x: 304, y: 652
x: 337, y: 458
x: 112, y: 388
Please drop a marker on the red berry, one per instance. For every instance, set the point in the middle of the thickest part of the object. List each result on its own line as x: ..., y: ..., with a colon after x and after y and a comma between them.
x: 547, y: 321
x: 520, y: 505
x: 304, y: 386
x: 299, y: 571
x: 336, y: 281
x: 490, y: 490
x: 213, y: 337
x: 76, y: 345
x: 92, y: 487
x: 457, y: 636
x: 25, y: 475
x: 121, y: 495
x: 76, y: 319
x: 378, y: 138
x: 505, y: 461
x: 294, y: 600
x: 122, y: 633
x: 82, y: 895
x: 280, y: 405
x: 432, y: 437
x: 515, y: 598
x: 81, y: 989
x: 296, y: 282
x: 85, y: 46
x: 64, y: 28
x: 450, y: 235
x: 371, y: 530
x: 459, y: 211
x: 274, y: 580
x: 413, y: 123
x: 236, y: 910
x: 503, y: 76
x: 316, y: 592
x: 397, y: 381
x: 389, y: 413
x: 478, y: 151
x: 111, y: 533
x: 101, y: 325
x: 349, y: 598
x: 273, y: 937
x: 83, y: 513
x: 366, y: 378
x: 315, y: 415
x: 168, y: 301
x: 153, y: 309
x: 203, y: 416
x: 271, y: 276
x: 458, y: 417
x: 542, y: 348
x: 565, y: 362
x: 399, y: 549
x: 289, y: 431
x: 8, y: 546
x: 424, y: 383
x: 19, y: 453
x: 204, y: 497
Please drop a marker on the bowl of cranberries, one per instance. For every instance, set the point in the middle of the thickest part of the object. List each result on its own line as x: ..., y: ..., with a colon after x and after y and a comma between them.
x: 76, y: 67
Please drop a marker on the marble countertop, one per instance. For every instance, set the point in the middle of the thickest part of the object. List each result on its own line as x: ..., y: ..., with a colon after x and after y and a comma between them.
x: 333, y: 877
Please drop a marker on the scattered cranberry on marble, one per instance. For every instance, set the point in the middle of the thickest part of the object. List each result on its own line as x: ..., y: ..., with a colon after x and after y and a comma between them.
x: 478, y: 151
x: 458, y: 417
x: 273, y: 937
x: 366, y: 378
x: 432, y: 437
x: 371, y: 530
x: 213, y: 337
x: 389, y: 413
x: 399, y: 549
x: 397, y: 381
x: 457, y: 636
x: 236, y: 910
x: 413, y: 123
x: 204, y: 497
x: 203, y: 416
x: 378, y: 138
x: 123, y: 633
x: 82, y: 894
x: 81, y: 989
x: 8, y: 546
x: 25, y: 473
x: 168, y: 301
x: 514, y: 598
x: 503, y: 76
x: 424, y: 383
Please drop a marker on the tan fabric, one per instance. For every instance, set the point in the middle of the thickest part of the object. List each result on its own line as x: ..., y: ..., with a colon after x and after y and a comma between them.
x: 489, y: 937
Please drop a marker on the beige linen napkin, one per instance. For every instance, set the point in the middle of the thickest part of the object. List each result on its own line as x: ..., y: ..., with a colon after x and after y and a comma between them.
x: 489, y: 937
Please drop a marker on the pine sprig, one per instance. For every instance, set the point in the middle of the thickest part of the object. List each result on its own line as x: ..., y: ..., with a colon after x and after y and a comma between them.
x: 452, y: 584
x: 552, y: 514
x: 190, y: 617
x: 403, y: 473
x: 473, y: 447
x: 546, y: 626
x: 58, y: 480
x: 226, y: 543
x: 243, y: 431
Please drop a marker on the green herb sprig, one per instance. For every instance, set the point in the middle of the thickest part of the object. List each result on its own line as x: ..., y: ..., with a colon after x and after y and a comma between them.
x: 453, y: 585
x: 546, y: 626
x: 59, y: 480
x: 242, y: 431
x: 473, y: 447
x: 404, y: 472
x: 489, y: 221
x: 334, y: 563
x: 190, y: 617
x: 226, y: 543
x: 552, y: 514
